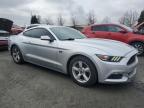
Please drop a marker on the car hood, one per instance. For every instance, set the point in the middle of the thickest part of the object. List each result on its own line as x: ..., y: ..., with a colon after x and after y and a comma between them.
x: 105, y: 45
x: 5, y: 24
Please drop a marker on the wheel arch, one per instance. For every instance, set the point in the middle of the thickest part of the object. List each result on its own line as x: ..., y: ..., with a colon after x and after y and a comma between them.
x: 76, y: 55
x: 134, y: 41
x: 13, y: 46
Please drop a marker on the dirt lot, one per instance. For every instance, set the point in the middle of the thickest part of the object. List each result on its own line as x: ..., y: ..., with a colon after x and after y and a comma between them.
x: 30, y: 86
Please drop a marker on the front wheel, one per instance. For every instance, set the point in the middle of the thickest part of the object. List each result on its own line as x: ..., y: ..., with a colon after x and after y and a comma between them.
x: 17, y: 55
x: 139, y: 46
x: 83, y: 71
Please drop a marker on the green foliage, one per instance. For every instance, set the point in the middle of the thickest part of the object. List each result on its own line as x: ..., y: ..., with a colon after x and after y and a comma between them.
x: 141, y: 18
x: 35, y: 20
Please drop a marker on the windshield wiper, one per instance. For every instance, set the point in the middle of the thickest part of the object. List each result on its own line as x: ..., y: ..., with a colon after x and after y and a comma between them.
x: 69, y: 39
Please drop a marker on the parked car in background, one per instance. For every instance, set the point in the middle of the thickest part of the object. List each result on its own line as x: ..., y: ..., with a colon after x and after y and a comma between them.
x: 116, y: 32
x: 4, y: 39
x: 69, y: 51
x: 5, y: 29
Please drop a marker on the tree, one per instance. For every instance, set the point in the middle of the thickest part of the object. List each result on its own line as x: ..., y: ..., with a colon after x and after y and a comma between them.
x: 73, y: 21
x: 129, y: 18
x: 141, y: 20
x: 122, y: 20
x: 35, y: 19
x: 60, y: 20
x: 91, y: 18
x: 49, y: 21
x: 106, y: 20
x: 39, y: 19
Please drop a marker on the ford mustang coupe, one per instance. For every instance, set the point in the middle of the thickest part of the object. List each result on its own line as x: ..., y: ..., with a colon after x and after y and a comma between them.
x: 87, y: 60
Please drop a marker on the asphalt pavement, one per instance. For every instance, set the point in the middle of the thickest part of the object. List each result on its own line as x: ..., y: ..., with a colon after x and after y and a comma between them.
x: 30, y: 86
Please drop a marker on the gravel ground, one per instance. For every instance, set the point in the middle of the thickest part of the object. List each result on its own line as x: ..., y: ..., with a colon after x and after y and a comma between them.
x: 30, y: 86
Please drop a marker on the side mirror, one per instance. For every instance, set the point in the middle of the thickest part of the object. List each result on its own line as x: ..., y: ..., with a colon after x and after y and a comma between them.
x: 123, y: 31
x: 46, y: 38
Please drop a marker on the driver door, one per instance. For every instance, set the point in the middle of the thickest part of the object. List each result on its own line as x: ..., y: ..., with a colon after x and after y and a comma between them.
x: 41, y: 52
x: 116, y: 34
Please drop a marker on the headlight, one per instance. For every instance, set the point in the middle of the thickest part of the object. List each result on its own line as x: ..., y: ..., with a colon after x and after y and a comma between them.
x: 109, y: 58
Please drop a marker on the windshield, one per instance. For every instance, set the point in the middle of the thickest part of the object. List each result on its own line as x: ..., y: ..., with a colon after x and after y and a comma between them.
x: 65, y: 33
x: 127, y: 28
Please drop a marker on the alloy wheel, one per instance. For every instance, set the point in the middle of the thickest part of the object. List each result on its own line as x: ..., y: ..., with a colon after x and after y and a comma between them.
x: 81, y: 71
x: 140, y: 48
x: 16, y: 54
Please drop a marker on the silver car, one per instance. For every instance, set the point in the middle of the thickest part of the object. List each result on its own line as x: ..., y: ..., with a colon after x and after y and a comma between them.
x: 68, y: 51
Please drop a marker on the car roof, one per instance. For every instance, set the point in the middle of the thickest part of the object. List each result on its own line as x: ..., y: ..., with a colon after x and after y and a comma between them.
x: 43, y: 26
x: 47, y: 26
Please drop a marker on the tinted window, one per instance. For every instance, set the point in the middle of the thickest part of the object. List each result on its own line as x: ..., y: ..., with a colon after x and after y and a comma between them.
x: 38, y: 32
x: 99, y: 28
x: 114, y: 29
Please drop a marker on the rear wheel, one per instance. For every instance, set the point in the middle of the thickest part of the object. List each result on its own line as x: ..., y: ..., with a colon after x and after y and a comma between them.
x: 139, y: 46
x: 83, y: 71
x: 17, y: 55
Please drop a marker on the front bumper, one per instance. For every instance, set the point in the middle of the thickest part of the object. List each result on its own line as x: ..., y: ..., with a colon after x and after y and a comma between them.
x: 121, y: 72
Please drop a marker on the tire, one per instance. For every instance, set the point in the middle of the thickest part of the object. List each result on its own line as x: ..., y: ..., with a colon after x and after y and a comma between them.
x: 140, y: 47
x: 84, y: 75
x: 17, y: 55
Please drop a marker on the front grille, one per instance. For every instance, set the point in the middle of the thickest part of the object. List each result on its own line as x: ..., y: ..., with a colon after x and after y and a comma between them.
x: 131, y: 60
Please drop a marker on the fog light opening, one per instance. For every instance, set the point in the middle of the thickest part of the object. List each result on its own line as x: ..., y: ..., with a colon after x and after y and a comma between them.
x: 115, y: 76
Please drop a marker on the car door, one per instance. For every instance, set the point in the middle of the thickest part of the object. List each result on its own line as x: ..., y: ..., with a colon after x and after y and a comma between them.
x: 99, y: 31
x: 117, y: 33
x: 41, y: 52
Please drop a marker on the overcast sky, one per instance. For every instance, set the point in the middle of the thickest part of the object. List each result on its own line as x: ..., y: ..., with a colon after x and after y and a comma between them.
x: 20, y: 10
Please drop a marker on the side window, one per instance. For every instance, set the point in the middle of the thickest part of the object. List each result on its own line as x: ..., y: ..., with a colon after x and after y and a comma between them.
x: 37, y: 33
x: 99, y: 28
x: 114, y: 29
